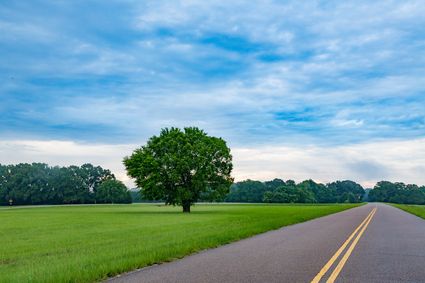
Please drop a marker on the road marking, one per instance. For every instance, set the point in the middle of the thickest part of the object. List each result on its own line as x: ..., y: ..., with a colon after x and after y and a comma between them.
x: 328, y: 265
x: 344, y: 259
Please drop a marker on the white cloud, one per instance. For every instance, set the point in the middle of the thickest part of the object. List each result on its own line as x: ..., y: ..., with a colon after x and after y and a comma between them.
x: 344, y: 71
x: 364, y: 163
x: 65, y: 153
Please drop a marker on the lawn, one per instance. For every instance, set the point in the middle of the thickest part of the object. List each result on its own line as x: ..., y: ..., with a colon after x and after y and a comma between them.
x: 90, y: 243
x: 418, y: 210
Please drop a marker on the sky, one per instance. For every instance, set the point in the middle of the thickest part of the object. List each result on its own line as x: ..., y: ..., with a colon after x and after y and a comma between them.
x: 327, y: 90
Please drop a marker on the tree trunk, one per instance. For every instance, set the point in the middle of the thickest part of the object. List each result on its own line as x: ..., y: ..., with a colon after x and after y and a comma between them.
x: 186, y: 207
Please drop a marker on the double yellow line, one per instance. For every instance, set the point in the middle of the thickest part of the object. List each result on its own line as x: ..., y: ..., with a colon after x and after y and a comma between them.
x: 362, y: 227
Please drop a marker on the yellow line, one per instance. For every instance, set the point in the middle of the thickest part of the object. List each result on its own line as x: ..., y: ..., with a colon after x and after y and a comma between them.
x: 328, y: 265
x: 344, y: 259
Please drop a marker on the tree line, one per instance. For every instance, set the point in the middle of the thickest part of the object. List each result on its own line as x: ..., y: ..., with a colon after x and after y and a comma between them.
x: 398, y: 192
x: 280, y: 191
x: 38, y: 183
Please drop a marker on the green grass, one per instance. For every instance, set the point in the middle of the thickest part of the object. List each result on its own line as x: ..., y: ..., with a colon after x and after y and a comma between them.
x: 90, y: 243
x: 418, y: 210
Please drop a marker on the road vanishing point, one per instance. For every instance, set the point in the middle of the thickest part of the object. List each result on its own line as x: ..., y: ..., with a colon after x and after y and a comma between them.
x: 370, y: 243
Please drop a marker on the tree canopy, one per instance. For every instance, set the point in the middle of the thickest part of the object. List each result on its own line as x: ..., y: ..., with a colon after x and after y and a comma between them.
x: 113, y: 191
x: 179, y: 166
x: 398, y: 192
x: 279, y: 191
x: 38, y: 183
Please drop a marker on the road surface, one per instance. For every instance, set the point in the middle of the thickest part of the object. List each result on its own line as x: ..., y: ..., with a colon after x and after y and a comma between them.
x: 371, y: 243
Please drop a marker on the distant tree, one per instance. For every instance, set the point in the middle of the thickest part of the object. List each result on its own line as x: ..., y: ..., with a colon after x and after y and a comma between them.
x: 179, y: 165
x: 366, y: 194
x: 112, y: 191
x: 274, y: 184
x: 93, y: 176
x: 247, y: 191
x: 398, y: 192
x: 28, y: 183
x: 69, y: 186
x: 384, y: 190
x: 136, y: 195
x: 311, y: 191
x: 38, y: 183
x: 287, y: 194
x: 346, y: 191
x: 212, y: 195
x: 4, y: 175
x: 308, y: 191
x: 411, y: 194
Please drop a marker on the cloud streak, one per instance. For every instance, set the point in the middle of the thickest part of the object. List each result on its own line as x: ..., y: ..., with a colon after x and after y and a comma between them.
x: 261, y: 74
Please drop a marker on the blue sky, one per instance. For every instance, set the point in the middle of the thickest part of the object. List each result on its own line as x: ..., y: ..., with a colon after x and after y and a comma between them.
x: 260, y: 74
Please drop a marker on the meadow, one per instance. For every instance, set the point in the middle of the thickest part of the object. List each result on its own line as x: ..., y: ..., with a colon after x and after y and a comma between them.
x: 93, y: 242
x: 418, y: 210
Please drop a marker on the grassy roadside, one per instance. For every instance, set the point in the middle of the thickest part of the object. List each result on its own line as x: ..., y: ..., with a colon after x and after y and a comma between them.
x: 418, y: 210
x: 89, y: 243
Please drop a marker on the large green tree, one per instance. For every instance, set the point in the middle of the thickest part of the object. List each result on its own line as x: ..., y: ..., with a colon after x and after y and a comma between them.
x: 178, y: 166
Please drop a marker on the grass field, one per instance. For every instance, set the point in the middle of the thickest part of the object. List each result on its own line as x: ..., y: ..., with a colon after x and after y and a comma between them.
x: 418, y: 210
x: 90, y: 243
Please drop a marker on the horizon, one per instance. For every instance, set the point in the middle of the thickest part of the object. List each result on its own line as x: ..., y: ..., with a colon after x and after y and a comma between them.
x: 320, y: 90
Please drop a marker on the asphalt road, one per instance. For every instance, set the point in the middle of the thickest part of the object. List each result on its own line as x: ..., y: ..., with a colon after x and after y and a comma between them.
x: 386, y: 245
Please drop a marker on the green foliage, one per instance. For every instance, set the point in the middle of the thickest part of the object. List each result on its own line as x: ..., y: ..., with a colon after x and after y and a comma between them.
x: 274, y: 184
x: 179, y: 166
x: 136, y: 195
x: 291, y: 193
x: 279, y: 191
x: 385, y: 191
x: 247, y: 191
x: 366, y: 195
x: 37, y: 183
x: 346, y: 191
x: 89, y: 243
x: 112, y: 191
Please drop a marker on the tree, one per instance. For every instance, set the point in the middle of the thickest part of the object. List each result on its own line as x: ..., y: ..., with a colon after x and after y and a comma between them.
x: 320, y: 193
x: 38, y: 183
x: 246, y: 191
x: 179, y: 165
x: 346, y: 191
x: 69, y: 185
x: 274, y: 184
x: 398, y: 192
x: 136, y: 195
x: 94, y: 176
x: 28, y: 183
x: 384, y: 191
x: 112, y: 191
x: 4, y: 176
x: 284, y: 194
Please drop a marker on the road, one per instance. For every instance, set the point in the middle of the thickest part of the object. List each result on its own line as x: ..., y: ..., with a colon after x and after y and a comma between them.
x: 371, y: 243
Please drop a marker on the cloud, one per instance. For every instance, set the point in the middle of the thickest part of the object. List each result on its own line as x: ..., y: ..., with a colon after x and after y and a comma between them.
x: 65, y: 153
x: 365, y: 163
x: 314, y: 75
